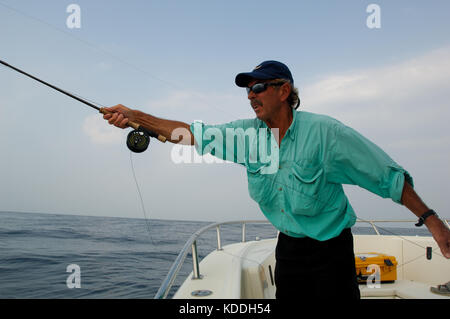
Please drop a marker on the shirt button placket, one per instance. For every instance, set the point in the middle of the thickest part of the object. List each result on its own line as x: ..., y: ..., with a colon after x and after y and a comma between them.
x: 281, y: 189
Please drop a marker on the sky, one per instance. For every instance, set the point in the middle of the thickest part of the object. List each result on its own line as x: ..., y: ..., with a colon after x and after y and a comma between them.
x: 178, y: 60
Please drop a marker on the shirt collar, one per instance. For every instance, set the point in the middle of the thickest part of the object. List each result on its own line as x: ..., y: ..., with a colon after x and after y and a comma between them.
x: 290, y: 131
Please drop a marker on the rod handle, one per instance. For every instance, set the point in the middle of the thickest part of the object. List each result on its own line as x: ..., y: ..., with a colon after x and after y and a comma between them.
x: 137, y: 126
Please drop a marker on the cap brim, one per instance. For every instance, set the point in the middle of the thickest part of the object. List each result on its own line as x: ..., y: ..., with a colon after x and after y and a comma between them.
x: 243, y: 79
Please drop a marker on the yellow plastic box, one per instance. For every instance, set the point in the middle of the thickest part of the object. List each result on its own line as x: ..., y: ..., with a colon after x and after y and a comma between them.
x: 367, y: 264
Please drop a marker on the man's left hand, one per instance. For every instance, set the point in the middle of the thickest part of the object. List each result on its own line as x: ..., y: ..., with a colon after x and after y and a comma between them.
x: 441, y: 234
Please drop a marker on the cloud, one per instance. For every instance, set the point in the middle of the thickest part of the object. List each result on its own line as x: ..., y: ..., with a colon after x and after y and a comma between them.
x: 401, y: 105
x: 100, y: 132
x: 386, y: 87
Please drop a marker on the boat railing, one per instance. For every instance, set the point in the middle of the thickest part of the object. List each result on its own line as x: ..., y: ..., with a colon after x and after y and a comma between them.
x: 191, y: 245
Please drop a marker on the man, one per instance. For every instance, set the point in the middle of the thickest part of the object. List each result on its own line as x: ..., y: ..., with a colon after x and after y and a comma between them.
x: 303, y: 197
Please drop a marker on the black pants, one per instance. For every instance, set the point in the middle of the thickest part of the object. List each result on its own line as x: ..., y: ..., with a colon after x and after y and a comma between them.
x: 307, y: 268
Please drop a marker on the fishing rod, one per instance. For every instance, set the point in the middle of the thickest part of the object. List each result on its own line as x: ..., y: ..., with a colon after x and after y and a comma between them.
x: 138, y: 139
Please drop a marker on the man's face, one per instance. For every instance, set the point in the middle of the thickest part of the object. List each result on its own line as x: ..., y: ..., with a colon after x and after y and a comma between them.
x: 266, y: 103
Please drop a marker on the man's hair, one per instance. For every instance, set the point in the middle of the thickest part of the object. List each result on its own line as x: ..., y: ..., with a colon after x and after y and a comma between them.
x: 293, y: 98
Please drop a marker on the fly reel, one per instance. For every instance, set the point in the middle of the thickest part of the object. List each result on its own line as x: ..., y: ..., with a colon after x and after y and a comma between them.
x: 138, y: 141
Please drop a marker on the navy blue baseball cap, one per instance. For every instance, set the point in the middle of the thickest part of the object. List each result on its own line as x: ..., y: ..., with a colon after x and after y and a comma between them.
x: 267, y: 70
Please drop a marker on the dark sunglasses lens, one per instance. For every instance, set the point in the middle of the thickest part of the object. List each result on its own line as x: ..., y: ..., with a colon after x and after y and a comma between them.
x: 257, y: 88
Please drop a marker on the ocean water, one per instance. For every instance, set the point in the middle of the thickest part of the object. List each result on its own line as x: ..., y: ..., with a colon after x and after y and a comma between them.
x: 117, y: 257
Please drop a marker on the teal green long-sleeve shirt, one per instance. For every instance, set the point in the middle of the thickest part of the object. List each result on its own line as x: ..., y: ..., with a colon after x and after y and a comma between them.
x: 298, y: 185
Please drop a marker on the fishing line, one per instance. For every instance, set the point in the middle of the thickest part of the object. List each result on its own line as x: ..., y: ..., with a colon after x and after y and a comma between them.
x: 124, y: 62
x: 139, y: 140
x: 135, y: 126
x: 140, y: 197
x: 134, y: 139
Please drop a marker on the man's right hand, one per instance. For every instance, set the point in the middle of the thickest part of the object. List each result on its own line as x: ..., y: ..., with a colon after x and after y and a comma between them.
x: 172, y: 131
x: 120, y: 115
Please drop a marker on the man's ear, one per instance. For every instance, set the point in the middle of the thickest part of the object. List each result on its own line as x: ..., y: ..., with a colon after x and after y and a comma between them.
x: 285, y: 91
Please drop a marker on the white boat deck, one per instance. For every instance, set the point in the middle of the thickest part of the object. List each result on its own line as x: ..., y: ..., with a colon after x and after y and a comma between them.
x: 245, y: 270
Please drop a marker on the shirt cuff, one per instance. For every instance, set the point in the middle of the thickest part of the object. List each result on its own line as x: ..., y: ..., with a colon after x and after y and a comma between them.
x: 196, y: 129
x: 399, y: 177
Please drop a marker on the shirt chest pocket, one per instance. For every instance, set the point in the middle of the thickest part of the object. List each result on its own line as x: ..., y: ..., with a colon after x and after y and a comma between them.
x: 307, y: 185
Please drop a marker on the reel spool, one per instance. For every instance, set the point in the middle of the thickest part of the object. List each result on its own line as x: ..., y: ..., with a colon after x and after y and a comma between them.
x: 138, y: 141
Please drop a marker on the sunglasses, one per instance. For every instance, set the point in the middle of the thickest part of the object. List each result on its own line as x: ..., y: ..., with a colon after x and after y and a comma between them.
x: 261, y: 87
